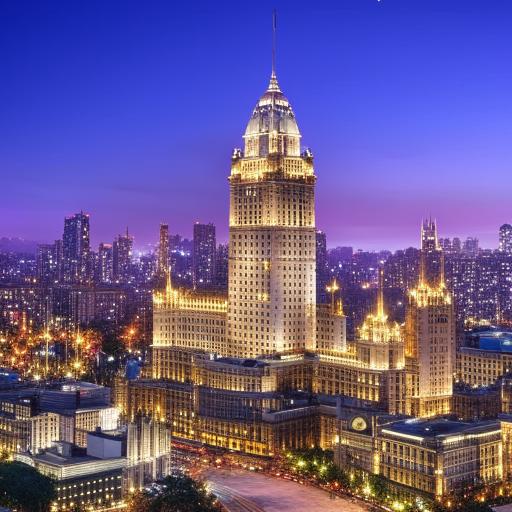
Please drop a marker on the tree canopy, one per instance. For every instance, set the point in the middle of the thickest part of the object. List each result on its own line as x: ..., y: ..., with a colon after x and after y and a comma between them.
x: 176, y: 493
x: 24, y: 488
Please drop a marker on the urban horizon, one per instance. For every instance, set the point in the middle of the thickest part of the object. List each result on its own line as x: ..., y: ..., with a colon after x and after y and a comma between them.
x: 151, y: 246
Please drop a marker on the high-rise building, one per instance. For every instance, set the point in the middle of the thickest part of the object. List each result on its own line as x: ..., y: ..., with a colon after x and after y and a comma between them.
x: 322, y: 268
x: 430, y: 333
x: 163, y: 251
x: 221, y: 266
x: 76, y: 248
x: 122, y: 257
x: 470, y: 246
x: 506, y: 239
x: 431, y: 254
x: 240, y: 370
x: 272, y: 280
x: 204, y: 256
x: 46, y: 263
x: 105, y: 265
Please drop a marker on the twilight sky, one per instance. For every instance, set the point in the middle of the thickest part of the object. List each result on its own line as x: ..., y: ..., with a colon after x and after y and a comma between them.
x: 130, y: 110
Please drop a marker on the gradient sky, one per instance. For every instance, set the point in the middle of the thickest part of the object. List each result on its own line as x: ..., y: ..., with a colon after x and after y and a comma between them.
x: 130, y: 110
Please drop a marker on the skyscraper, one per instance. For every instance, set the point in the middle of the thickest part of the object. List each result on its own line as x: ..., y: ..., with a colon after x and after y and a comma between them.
x: 506, y: 239
x: 272, y: 282
x: 76, y: 248
x: 163, y: 251
x: 204, y: 256
x: 432, y: 263
x: 122, y: 257
x: 46, y: 263
x: 221, y: 266
x: 105, y: 268
x: 470, y: 246
x: 430, y: 333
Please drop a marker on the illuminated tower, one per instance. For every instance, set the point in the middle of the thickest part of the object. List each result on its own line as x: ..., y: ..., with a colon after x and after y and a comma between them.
x: 272, y: 284
x: 122, y: 257
x: 431, y: 254
x: 76, y: 248
x: 163, y: 252
x: 430, y: 334
x: 381, y: 347
x: 105, y: 263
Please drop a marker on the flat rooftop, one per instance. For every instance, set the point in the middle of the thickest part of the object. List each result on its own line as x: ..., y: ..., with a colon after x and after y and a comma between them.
x: 493, y: 340
x: 245, y: 363
x: 430, y: 429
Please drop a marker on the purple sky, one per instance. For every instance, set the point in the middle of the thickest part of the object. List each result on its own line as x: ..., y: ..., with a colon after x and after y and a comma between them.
x: 130, y: 110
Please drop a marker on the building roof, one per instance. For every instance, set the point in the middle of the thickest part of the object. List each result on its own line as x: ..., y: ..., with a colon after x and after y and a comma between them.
x: 438, y: 428
x: 273, y: 112
x: 493, y: 340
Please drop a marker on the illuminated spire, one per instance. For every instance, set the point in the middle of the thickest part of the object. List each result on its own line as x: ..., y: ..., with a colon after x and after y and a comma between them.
x: 380, y: 295
x: 273, y: 85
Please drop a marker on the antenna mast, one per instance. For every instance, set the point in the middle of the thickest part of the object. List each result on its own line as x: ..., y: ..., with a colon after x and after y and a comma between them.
x: 274, y: 26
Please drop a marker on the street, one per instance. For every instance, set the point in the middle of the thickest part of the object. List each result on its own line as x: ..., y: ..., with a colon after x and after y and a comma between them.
x: 248, y: 491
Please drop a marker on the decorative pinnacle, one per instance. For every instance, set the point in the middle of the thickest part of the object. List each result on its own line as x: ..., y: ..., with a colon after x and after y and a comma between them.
x: 273, y: 85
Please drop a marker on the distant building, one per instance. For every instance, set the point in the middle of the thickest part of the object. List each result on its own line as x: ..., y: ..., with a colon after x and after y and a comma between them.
x: 204, y: 256
x: 47, y: 263
x: 505, y: 237
x: 105, y: 304
x: 322, y: 268
x: 105, y: 265
x: 76, y: 248
x: 122, y: 258
x: 25, y: 307
x: 431, y: 254
x: 163, y: 252
x: 470, y: 246
x: 221, y: 266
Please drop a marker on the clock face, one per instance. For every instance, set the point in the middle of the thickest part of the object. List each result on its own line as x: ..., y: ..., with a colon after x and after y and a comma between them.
x: 359, y: 424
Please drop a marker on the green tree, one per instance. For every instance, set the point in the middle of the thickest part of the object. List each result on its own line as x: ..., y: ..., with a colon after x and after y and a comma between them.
x: 378, y: 486
x: 473, y: 506
x: 176, y: 493
x: 24, y: 488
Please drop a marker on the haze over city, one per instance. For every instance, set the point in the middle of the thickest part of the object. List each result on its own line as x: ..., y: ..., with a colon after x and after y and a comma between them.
x: 128, y: 111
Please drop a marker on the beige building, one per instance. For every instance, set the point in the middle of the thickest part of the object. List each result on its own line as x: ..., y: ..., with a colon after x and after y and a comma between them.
x: 250, y: 371
x: 430, y: 334
x: 433, y: 458
x: 272, y: 241
x: 482, y: 367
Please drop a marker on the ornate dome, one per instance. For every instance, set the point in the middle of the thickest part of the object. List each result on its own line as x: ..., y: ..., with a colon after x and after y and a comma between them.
x: 273, y: 112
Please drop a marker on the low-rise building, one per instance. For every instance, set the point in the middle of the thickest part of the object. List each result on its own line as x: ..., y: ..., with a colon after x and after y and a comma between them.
x: 434, y: 458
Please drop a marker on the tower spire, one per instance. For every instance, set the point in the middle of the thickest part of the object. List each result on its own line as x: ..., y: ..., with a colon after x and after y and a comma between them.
x: 273, y: 85
x: 274, y: 21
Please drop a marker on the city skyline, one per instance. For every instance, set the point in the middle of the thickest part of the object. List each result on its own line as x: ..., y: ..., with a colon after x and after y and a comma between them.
x: 383, y: 118
x: 164, y: 380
